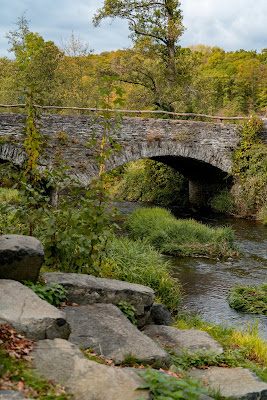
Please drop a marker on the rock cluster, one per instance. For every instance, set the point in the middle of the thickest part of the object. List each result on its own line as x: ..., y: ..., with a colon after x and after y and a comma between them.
x: 94, y: 321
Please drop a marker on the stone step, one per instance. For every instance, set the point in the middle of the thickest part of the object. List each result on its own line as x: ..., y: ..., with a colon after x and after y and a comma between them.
x: 27, y: 313
x: 86, y: 289
x: 236, y: 383
x: 190, y: 339
x: 105, y: 329
x: 64, y: 363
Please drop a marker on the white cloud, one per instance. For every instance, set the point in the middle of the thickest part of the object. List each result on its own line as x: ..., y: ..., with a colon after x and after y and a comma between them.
x: 230, y: 24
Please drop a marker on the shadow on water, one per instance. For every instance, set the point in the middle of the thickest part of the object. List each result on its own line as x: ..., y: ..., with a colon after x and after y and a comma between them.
x: 207, y: 282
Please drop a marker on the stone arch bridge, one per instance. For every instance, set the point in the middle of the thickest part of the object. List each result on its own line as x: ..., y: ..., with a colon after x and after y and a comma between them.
x: 201, y: 151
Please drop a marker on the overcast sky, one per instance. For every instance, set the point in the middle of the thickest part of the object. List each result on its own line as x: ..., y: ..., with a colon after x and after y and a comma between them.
x: 230, y: 24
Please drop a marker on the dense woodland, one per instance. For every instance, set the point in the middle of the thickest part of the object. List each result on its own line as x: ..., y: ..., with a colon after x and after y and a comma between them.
x: 205, y: 79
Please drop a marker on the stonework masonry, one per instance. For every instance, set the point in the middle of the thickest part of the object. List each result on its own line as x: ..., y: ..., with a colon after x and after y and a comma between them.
x: 202, y: 151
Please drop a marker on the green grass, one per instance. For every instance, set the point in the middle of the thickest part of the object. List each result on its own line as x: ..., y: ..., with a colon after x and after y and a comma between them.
x: 9, y: 195
x: 164, y: 232
x: 223, y: 202
x: 250, y: 299
x: 137, y: 262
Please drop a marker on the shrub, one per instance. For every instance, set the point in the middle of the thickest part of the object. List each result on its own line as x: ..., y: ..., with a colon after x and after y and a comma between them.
x: 250, y: 171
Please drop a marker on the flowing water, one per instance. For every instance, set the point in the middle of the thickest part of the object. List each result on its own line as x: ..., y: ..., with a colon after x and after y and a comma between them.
x: 207, y: 282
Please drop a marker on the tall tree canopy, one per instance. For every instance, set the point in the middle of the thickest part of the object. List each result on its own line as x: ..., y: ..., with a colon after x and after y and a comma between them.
x: 158, y: 20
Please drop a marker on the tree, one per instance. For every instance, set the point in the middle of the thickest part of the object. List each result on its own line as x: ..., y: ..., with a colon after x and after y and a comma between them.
x: 36, y: 60
x: 160, y: 21
x: 76, y: 73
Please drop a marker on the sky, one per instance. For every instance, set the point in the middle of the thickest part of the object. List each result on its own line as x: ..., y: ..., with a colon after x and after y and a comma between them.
x: 229, y: 24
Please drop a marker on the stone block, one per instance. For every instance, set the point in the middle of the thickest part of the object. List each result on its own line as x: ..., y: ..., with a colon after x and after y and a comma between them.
x: 178, y: 339
x: 105, y: 329
x: 236, y: 383
x: 86, y: 289
x: 64, y: 363
x: 27, y: 313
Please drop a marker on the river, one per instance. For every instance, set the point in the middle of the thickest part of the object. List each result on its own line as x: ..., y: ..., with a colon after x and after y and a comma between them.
x: 207, y: 282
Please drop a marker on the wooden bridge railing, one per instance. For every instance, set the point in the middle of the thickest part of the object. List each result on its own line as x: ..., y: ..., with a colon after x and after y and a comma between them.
x: 139, y: 112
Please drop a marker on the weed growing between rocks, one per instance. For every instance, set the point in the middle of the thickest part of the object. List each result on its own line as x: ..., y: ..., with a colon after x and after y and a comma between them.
x: 250, y: 299
x: 242, y: 347
x: 54, y: 294
x: 164, y: 386
x: 128, y: 310
x: 180, y: 237
x: 16, y: 372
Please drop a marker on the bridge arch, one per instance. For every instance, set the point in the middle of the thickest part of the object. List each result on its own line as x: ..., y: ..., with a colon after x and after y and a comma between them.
x: 201, y: 151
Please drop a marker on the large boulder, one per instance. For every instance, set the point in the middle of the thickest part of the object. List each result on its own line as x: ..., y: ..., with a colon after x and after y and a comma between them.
x: 27, y: 313
x: 105, y: 329
x: 87, y: 289
x: 190, y: 339
x: 21, y: 257
x: 64, y: 363
x: 236, y: 383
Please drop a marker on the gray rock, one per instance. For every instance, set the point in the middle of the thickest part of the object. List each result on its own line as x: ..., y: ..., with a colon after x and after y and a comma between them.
x: 26, y: 312
x: 104, y: 328
x: 160, y: 315
x: 21, y: 257
x: 86, y: 289
x: 191, y: 339
x: 11, y: 395
x: 238, y: 383
x: 64, y: 363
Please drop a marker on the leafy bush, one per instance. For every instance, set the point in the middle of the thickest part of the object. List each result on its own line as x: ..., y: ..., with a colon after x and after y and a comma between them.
x: 137, y: 262
x: 54, y: 294
x: 251, y: 299
x: 179, y: 237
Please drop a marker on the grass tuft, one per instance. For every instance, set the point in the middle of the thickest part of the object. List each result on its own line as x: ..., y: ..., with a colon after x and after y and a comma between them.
x: 137, y: 262
x: 250, y: 299
x: 162, y: 230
